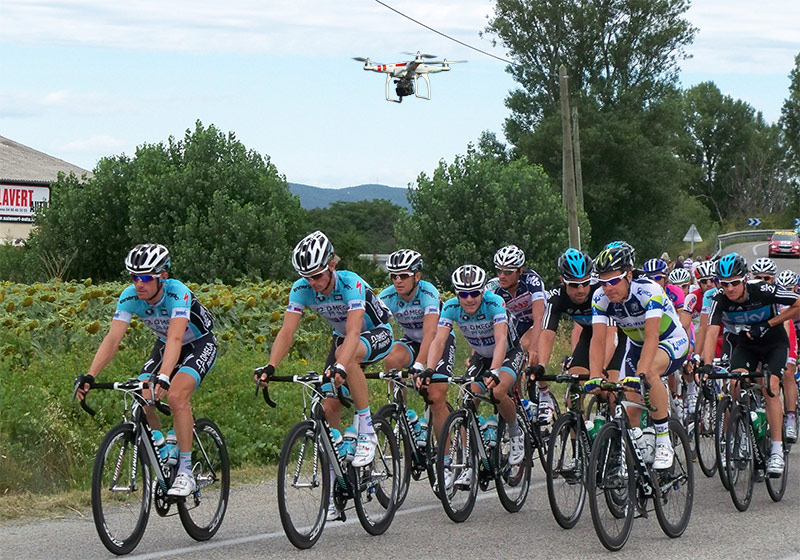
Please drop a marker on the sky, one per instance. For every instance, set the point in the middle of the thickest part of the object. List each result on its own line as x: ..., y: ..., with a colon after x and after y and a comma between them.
x: 85, y: 79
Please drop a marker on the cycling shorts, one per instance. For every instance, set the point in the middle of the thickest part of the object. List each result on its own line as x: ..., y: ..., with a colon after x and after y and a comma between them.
x: 377, y: 343
x: 196, y: 358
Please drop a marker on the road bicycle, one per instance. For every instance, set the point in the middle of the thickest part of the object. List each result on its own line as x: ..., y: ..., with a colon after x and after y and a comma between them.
x: 620, y: 482
x: 310, y: 462
x: 706, y: 436
x: 469, y: 458
x: 130, y: 475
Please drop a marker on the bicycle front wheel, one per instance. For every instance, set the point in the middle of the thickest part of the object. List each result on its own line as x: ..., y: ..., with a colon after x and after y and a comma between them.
x: 704, y: 440
x: 376, y: 485
x: 674, y: 487
x: 720, y: 427
x: 202, y: 512
x: 121, y: 490
x: 391, y: 413
x: 740, y: 458
x: 567, y: 461
x: 457, y: 466
x: 611, y: 485
x: 304, y: 485
x: 513, y: 481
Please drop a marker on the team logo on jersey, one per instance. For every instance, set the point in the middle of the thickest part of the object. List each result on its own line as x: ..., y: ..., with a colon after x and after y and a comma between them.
x: 164, y: 312
x: 481, y: 317
x: 186, y: 298
x: 358, y: 286
x: 338, y: 297
x: 149, y: 311
x: 181, y: 313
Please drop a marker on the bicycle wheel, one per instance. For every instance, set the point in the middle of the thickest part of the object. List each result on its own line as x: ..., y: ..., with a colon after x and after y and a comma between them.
x: 674, y: 487
x: 121, y: 490
x: 390, y: 413
x: 776, y: 486
x: 720, y: 427
x: 540, y: 436
x: 457, y: 466
x: 740, y: 458
x: 304, y: 485
x: 512, y: 481
x: 202, y: 512
x: 567, y: 460
x: 704, y: 442
x: 376, y: 485
x: 611, y: 485
x: 429, y: 453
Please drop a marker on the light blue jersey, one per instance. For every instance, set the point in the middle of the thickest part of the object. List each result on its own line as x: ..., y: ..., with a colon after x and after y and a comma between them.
x: 349, y: 292
x: 411, y: 314
x: 478, y: 329
x: 176, y: 301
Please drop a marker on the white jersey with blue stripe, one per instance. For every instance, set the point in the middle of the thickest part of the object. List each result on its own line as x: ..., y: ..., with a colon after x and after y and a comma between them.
x: 478, y: 329
x: 176, y: 301
x: 411, y: 314
x: 349, y: 292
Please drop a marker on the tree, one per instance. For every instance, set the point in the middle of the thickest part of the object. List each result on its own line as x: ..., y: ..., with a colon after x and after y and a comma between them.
x: 479, y: 203
x: 372, y: 220
x: 790, y: 117
x: 222, y: 210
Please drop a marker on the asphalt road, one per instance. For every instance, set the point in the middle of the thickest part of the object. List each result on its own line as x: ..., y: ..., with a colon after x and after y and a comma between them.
x: 752, y: 251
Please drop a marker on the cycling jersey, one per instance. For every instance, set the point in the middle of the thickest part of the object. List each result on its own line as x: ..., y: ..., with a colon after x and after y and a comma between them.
x: 760, y: 304
x: 349, y: 292
x: 676, y: 295
x: 558, y: 302
x: 478, y: 329
x: 176, y: 301
x: 410, y: 314
x: 530, y: 288
x: 693, y: 304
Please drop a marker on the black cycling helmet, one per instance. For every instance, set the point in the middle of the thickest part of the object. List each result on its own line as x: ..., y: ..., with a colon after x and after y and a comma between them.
x: 730, y: 265
x: 625, y: 244
x: 574, y: 264
x: 613, y: 258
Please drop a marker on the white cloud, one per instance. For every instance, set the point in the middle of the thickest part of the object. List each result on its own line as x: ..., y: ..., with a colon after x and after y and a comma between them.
x: 99, y: 143
x: 24, y: 103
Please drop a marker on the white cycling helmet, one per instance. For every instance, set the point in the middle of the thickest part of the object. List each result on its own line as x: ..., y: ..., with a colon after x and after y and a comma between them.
x: 679, y: 276
x: 787, y: 279
x: 764, y: 266
x: 404, y: 259
x: 509, y: 256
x: 148, y: 258
x: 704, y: 270
x: 312, y: 253
x: 468, y: 277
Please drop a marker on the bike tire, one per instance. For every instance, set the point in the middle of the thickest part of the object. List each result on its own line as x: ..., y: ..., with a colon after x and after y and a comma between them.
x: 740, y: 458
x: 611, y: 475
x: 304, y: 479
x: 567, y: 463
x: 674, y: 487
x: 704, y: 438
x: 512, y: 481
x: 376, y: 485
x: 540, y: 436
x: 202, y: 512
x: 430, y: 454
x: 457, y: 452
x: 391, y: 413
x: 121, y: 512
x: 720, y: 427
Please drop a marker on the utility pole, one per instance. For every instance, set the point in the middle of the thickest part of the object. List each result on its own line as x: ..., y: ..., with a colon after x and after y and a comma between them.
x: 568, y: 163
x: 576, y: 140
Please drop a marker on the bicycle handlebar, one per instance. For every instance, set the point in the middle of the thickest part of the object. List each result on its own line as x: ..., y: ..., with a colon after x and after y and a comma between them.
x: 725, y: 374
x: 129, y: 385
x: 309, y: 377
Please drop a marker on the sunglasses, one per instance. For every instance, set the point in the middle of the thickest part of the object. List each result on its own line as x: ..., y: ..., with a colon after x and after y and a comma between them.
x: 142, y: 278
x: 731, y: 283
x: 317, y: 276
x: 401, y: 275
x: 505, y: 272
x: 473, y: 294
x: 612, y: 281
x: 577, y: 284
x: 708, y: 280
x: 656, y: 277
x: 765, y: 278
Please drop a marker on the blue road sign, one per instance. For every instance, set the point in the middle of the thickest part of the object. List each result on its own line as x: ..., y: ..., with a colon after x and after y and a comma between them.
x: 753, y: 222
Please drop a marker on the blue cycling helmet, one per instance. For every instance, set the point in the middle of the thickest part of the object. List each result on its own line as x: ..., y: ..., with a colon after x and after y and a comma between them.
x: 654, y: 265
x: 574, y: 264
x: 731, y: 265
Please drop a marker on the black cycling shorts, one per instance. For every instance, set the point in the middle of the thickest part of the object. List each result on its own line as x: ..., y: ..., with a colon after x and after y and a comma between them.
x: 196, y: 358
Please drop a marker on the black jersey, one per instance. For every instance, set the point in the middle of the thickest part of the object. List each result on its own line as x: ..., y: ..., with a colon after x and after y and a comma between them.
x: 558, y: 302
x: 762, y: 303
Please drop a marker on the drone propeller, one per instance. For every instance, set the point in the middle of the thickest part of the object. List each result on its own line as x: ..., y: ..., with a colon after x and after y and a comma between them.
x: 445, y: 61
x: 420, y: 55
x: 360, y: 59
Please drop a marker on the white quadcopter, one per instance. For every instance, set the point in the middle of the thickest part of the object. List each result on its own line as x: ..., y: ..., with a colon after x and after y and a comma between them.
x: 406, y: 74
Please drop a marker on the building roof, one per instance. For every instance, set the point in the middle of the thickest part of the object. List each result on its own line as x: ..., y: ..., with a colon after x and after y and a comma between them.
x: 21, y: 164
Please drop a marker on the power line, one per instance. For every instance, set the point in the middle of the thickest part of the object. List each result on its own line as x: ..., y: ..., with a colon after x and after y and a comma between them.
x: 443, y: 34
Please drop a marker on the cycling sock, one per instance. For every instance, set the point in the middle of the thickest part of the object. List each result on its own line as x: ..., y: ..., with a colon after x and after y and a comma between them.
x: 513, y: 429
x: 365, y: 421
x: 789, y: 418
x: 777, y: 448
x: 185, y: 462
x: 691, y: 388
x: 662, y: 431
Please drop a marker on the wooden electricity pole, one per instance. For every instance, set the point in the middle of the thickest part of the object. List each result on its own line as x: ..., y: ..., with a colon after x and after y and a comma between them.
x: 568, y: 165
x: 576, y: 140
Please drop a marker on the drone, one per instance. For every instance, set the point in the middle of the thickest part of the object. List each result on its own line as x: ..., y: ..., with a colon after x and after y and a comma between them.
x: 407, y: 74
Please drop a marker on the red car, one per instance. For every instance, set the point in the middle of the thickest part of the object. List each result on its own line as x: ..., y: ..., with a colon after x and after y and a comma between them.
x: 784, y: 244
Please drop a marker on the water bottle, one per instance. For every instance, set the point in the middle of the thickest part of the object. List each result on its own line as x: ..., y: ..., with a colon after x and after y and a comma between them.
x: 593, y: 425
x: 638, y: 439
x: 413, y: 421
x: 490, y: 431
x: 349, y: 442
x: 158, y: 441
x: 338, y: 440
x: 530, y: 409
x: 649, y: 441
x: 759, y: 419
x: 172, y: 448
x: 422, y: 436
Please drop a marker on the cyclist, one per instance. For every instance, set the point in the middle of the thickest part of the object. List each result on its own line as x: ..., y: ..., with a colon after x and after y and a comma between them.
x: 574, y: 298
x: 361, y: 333
x: 657, y: 343
x: 788, y: 281
x: 750, y: 309
x: 523, y: 292
x: 489, y: 330
x: 184, y: 352
x: 415, y: 304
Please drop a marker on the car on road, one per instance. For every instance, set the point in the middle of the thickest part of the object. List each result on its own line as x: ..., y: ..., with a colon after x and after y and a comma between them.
x: 784, y: 244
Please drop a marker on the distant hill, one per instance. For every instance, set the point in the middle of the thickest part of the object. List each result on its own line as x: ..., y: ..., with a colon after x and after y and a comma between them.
x: 316, y: 197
